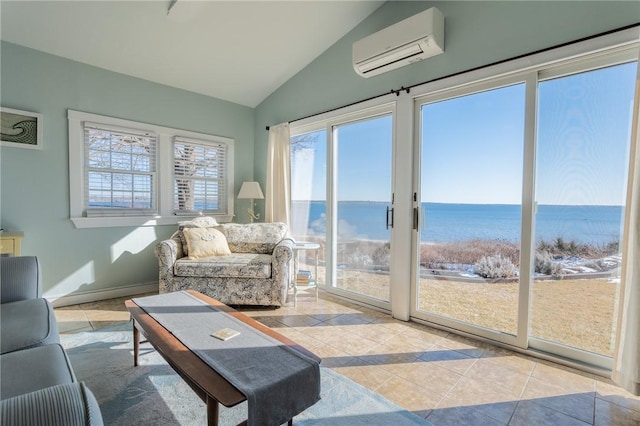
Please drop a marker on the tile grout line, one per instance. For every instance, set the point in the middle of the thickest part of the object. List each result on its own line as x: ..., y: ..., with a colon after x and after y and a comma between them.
x: 522, y: 393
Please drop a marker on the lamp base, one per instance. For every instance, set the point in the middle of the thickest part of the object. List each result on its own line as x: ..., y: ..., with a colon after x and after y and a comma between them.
x: 253, y: 215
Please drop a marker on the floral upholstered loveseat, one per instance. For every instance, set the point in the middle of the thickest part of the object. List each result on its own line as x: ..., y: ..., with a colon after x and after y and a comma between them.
x: 237, y: 264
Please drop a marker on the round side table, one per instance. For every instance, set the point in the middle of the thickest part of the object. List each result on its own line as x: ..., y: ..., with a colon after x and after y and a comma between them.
x: 313, y: 280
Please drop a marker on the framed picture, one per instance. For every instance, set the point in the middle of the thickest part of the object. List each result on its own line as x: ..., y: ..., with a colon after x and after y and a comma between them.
x: 21, y: 129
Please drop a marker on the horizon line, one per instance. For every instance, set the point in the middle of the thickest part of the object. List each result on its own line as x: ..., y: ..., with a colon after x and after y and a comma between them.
x: 469, y: 204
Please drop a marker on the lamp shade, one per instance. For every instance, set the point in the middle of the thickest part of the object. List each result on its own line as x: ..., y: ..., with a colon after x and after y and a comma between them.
x: 250, y: 190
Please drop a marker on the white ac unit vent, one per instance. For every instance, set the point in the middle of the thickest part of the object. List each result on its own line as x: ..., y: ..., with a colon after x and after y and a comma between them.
x: 413, y: 39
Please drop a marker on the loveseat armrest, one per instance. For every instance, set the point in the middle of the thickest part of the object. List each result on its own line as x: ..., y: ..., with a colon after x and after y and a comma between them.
x: 282, y: 255
x: 168, y: 251
x: 20, y: 278
x: 283, y: 251
x: 70, y: 404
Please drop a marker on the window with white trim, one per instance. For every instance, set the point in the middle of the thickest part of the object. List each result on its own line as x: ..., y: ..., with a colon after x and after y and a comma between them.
x: 128, y: 173
x: 199, y: 170
x: 119, y: 172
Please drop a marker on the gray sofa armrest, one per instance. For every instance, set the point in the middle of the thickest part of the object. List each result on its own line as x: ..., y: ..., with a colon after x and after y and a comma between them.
x: 70, y: 404
x: 20, y: 278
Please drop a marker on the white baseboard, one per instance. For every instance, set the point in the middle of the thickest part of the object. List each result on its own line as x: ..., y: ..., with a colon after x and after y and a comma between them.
x: 94, y: 296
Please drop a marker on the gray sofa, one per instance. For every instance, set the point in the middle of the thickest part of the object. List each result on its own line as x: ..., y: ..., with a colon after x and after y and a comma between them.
x: 37, y: 385
x: 255, y: 270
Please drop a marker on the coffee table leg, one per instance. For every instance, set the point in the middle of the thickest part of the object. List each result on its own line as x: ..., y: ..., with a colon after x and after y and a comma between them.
x: 212, y: 411
x: 136, y: 343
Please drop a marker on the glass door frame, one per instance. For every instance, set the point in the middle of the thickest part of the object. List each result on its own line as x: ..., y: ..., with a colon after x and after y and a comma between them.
x: 595, y: 62
x: 520, y: 339
x: 384, y: 105
x: 582, y: 56
x: 406, y: 131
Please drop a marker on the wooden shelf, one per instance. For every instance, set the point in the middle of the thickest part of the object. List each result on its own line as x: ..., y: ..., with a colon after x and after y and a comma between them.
x: 11, y: 243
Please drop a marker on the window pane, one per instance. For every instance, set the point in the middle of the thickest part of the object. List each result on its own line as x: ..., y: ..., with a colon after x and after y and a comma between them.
x: 364, y: 152
x: 99, y: 180
x: 309, y: 195
x: 122, y: 199
x: 98, y: 141
x: 120, y: 161
x: 99, y: 159
x: 140, y: 163
x: 142, y: 183
x: 584, y: 123
x: 133, y: 155
x: 471, y: 191
x: 142, y: 200
x: 200, y: 180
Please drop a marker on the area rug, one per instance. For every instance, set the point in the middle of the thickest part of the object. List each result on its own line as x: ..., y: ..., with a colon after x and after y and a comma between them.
x: 154, y: 394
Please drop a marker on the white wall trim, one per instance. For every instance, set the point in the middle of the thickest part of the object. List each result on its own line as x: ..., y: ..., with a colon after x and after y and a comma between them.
x: 97, y: 295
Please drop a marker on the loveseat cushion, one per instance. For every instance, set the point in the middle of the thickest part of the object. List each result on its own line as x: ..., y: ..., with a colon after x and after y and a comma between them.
x: 254, y: 237
x: 70, y: 404
x: 26, y: 324
x: 235, y: 265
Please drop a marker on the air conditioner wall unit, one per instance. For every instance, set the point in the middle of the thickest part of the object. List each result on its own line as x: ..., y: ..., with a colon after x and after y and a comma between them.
x: 411, y: 40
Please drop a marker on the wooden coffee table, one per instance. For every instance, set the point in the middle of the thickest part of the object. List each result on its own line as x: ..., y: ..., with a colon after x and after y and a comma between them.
x: 211, y: 387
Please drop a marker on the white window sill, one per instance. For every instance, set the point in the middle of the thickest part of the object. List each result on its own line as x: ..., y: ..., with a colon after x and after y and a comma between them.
x: 136, y: 221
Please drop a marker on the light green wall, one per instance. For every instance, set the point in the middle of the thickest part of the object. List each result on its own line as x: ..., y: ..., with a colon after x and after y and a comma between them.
x: 476, y: 33
x: 35, y: 184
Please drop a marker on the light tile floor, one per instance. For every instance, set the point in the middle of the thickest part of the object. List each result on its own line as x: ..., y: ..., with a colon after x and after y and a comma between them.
x: 445, y: 378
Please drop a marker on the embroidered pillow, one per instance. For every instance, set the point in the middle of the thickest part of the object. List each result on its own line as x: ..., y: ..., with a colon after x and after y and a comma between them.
x: 204, y: 242
x: 196, y: 222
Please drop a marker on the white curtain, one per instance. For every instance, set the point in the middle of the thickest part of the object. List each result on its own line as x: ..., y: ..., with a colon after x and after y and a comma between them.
x: 626, y: 361
x: 277, y: 207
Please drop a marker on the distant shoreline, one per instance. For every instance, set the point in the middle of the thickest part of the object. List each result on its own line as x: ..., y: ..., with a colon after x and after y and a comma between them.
x: 441, y: 222
x: 461, y: 204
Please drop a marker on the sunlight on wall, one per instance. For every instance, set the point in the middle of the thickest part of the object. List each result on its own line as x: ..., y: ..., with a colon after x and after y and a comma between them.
x: 85, y: 275
x: 134, y: 242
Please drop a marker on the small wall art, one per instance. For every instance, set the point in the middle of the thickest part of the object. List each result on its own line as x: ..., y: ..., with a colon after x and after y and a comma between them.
x: 20, y: 129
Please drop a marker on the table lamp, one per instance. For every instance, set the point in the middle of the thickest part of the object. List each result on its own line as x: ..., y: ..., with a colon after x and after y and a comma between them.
x: 251, y: 191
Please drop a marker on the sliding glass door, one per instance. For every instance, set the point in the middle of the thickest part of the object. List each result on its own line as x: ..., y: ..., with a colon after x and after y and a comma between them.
x: 363, y: 154
x: 471, y: 151
x: 517, y: 183
x: 521, y: 191
x: 584, y: 128
x: 341, y: 185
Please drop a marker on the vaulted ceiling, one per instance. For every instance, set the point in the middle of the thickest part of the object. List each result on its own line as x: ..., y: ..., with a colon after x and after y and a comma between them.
x: 239, y: 51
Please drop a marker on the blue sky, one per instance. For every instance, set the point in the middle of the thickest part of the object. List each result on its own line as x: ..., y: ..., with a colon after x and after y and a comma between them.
x: 473, y: 146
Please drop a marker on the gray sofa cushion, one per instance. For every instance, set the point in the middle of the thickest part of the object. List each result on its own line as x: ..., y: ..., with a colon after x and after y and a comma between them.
x: 70, y: 404
x: 20, y: 277
x: 234, y: 265
x: 26, y: 324
x: 33, y: 369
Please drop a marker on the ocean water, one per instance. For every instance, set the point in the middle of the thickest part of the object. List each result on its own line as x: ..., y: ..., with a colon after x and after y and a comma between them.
x: 597, y: 225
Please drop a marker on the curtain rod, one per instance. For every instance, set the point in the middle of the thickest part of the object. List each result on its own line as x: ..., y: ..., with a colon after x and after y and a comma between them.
x: 408, y: 89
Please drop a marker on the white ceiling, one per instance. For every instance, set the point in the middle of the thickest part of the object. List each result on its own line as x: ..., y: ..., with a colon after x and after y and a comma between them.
x: 240, y: 51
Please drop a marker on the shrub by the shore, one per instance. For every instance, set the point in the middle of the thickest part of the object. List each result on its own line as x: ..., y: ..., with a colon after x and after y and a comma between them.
x: 495, y: 267
x: 487, y: 258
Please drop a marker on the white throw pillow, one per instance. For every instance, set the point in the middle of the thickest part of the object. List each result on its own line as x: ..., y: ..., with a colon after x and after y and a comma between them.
x: 204, y: 242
